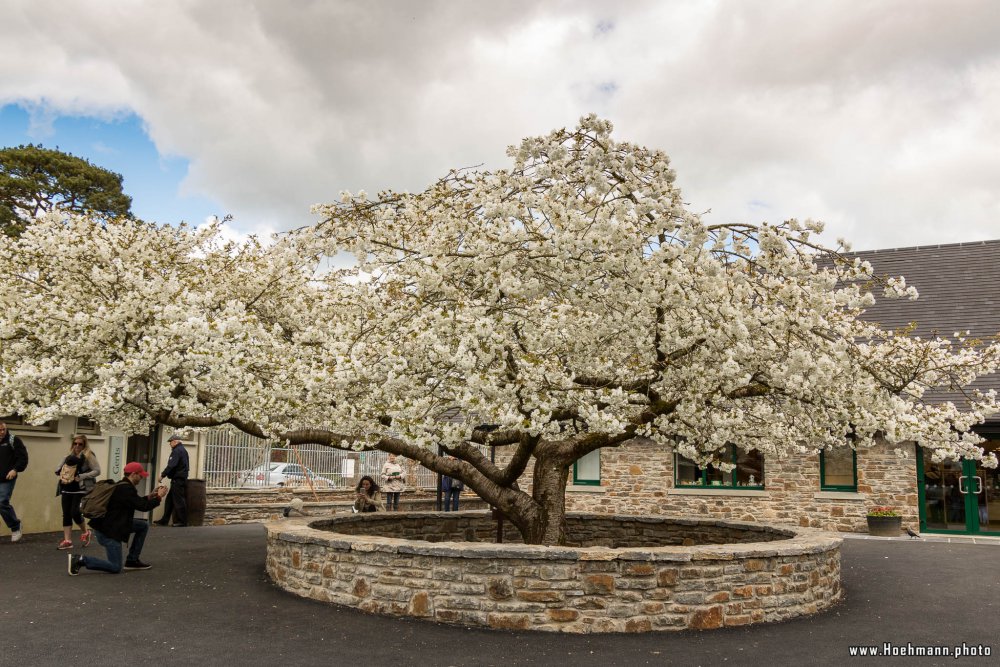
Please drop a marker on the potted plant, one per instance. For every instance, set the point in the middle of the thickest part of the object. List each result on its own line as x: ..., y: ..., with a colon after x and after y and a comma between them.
x: 884, y: 521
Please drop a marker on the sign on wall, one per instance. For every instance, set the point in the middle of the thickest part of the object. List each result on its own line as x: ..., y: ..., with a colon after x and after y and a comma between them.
x: 116, y: 456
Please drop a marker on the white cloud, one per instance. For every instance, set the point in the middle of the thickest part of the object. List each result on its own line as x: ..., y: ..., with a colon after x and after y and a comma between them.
x: 876, y: 117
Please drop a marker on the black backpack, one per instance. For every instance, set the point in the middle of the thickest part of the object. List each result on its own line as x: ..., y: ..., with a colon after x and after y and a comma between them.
x: 94, y: 505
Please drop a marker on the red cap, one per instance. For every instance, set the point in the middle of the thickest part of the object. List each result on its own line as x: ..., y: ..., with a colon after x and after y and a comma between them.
x: 135, y: 466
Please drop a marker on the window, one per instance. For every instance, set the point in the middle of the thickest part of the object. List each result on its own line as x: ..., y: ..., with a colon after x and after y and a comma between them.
x: 587, y: 469
x: 16, y: 423
x: 87, y: 425
x: 838, y: 469
x: 749, y: 471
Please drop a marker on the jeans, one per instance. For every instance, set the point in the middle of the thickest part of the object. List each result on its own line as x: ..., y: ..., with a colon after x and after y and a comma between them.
x: 6, y: 509
x: 114, y: 549
x: 451, y: 500
x: 392, y: 500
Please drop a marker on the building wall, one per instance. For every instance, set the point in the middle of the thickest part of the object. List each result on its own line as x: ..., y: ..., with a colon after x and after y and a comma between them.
x: 638, y: 478
x: 34, y: 498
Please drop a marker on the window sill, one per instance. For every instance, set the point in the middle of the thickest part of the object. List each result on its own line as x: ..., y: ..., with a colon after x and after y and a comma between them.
x: 34, y: 432
x: 585, y: 488
x: 839, y: 495
x: 709, y: 491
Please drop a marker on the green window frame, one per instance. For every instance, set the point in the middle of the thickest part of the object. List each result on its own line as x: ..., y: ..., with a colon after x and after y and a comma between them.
x: 748, y: 472
x: 833, y: 475
x: 587, y: 469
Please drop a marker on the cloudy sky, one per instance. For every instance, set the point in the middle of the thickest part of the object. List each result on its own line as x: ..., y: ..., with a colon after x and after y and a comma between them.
x: 881, y: 118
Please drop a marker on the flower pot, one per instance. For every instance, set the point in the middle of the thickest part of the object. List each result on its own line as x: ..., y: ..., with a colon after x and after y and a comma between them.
x: 885, y: 526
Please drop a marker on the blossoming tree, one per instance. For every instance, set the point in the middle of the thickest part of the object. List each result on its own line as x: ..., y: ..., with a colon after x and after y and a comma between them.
x: 569, y: 301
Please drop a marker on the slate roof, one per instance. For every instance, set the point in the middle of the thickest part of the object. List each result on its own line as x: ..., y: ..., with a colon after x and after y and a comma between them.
x: 959, y: 287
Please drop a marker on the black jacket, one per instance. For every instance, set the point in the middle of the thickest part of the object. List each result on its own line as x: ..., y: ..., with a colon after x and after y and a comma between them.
x: 177, y: 465
x: 117, y: 521
x: 13, y: 455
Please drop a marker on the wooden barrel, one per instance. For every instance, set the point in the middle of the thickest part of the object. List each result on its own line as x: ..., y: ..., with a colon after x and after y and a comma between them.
x: 196, y: 500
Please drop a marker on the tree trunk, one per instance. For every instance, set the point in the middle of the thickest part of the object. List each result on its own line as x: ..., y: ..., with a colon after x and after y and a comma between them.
x: 548, y: 525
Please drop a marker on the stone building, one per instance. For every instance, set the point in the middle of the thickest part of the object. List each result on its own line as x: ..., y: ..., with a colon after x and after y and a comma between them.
x: 959, y: 288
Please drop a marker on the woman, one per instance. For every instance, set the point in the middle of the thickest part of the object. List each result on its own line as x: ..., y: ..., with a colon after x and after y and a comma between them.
x: 78, y: 473
x: 393, y: 482
x: 368, y: 499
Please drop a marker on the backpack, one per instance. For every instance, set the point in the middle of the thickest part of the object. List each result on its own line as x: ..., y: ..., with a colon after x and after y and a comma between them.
x: 94, y: 505
x: 67, y: 474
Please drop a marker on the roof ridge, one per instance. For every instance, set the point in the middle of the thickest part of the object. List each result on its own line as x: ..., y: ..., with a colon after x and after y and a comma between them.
x: 925, y: 247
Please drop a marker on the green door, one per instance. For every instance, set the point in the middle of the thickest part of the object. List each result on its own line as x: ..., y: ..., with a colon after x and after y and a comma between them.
x: 959, y: 497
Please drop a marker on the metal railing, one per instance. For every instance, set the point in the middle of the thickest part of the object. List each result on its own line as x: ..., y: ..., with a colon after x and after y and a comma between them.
x: 235, y: 460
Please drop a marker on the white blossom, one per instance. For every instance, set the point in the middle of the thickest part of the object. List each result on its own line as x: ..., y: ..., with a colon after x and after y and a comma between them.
x: 569, y: 296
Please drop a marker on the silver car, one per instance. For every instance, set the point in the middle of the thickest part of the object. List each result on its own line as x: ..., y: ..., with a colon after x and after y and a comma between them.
x: 281, y: 474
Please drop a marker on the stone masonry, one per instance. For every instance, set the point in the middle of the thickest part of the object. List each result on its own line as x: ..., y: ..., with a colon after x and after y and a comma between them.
x: 225, y: 506
x: 638, y: 478
x: 654, y: 585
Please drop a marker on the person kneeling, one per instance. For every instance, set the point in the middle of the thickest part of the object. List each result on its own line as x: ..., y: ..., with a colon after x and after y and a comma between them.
x: 118, y: 523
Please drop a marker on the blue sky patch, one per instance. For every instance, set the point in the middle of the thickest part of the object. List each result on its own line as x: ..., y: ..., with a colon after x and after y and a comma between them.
x: 121, y: 145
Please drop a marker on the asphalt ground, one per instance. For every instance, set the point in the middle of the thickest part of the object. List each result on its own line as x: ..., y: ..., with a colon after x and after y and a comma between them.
x: 208, y: 601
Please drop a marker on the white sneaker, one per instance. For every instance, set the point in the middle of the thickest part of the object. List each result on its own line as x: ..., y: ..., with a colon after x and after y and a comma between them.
x: 16, y: 536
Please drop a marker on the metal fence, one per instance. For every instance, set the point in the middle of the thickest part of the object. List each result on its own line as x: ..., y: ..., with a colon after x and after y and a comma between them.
x: 235, y: 460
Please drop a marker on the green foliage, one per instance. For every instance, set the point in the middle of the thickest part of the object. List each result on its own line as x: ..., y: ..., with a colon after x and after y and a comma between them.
x: 882, y: 510
x: 35, y: 180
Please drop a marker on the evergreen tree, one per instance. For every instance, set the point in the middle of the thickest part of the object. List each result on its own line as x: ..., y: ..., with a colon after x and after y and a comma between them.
x: 34, y: 180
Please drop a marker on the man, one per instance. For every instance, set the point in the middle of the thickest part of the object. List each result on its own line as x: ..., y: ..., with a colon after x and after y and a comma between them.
x: 13, y: 460
x: 452, y: 490
x: 177, y: 472
x: 118, y: 523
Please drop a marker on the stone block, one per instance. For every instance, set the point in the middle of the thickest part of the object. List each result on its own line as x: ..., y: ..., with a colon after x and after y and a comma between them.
x: 638, y: 625
x: 562, y: 615
x: 598, y: 583
x: 499, y: 588
x: 539, y: 596
x: 638, y: 569
x: 707, y: 618
x: 362, y: 588
x: 420, y: 605
x: 667, y: 576
x: 741, y: 619
x: 508, y: 621
x: 690, y: 597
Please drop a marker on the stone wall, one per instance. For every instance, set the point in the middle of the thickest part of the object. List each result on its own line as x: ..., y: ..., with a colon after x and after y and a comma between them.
x: 565, y: 589
x: 225, y: 506
x: 590, y: 530
x: 638, y: 478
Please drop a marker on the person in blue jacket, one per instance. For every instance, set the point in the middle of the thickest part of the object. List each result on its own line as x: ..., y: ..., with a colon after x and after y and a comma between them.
x: 177, y: 472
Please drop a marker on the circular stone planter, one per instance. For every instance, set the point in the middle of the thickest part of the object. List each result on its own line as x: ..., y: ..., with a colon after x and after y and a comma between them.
x: 621, y: 574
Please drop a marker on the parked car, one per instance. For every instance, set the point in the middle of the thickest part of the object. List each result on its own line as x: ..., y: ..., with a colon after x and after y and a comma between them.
x: 281, y: 474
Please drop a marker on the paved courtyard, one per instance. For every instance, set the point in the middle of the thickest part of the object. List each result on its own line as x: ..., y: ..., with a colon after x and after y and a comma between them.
x: 207, y: 600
